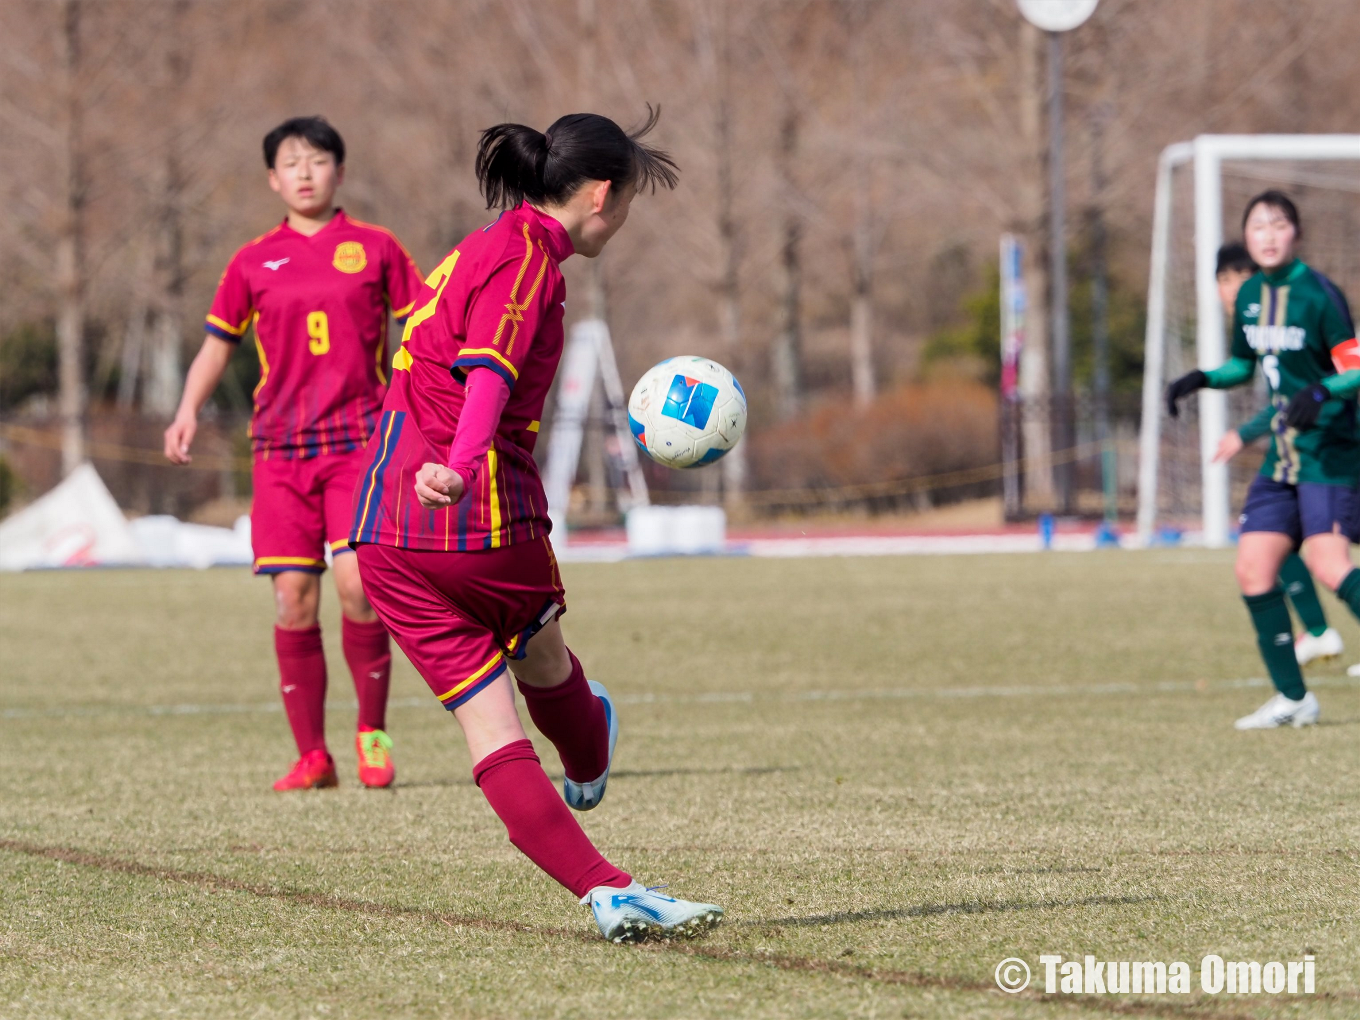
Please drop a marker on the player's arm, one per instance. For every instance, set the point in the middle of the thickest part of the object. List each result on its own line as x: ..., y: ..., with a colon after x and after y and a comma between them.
x: 439, y: 485
x: 205, y: 373
x: 1232, y: 441
x: 1236, y: 371
x: 1258, y: 426
x: 227, y: 322
x: 1338, y: 332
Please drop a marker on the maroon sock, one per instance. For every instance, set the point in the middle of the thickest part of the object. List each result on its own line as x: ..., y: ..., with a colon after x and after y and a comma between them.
x: 302, y: 682
x: 539, y: 823
x: 573, y: 719
x: 369, y: 654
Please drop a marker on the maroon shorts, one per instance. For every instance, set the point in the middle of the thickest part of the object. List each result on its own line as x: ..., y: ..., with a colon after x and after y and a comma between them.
x: 300, y: 508
x: 458, y: 616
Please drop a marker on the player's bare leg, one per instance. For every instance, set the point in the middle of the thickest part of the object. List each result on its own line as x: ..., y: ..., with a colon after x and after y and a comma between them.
x: 302, y: 677
x: 576, y: 714
x: 368, y: 652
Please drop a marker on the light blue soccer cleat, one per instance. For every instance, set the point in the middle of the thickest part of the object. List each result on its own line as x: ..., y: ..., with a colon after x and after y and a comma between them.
x: 584, y: 796
x: 638, y: 913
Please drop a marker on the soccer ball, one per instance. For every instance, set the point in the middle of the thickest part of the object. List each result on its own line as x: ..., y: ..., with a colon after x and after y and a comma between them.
x: 687, y: 412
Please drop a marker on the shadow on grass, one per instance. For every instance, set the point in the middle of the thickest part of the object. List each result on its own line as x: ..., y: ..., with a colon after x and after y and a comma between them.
x: 933, y: 909
x: 556, y: 777
x: 760, y: 770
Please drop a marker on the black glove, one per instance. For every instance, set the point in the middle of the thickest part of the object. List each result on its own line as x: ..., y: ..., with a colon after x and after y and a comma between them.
x: 1183, y: 387
x: 1302, y: 412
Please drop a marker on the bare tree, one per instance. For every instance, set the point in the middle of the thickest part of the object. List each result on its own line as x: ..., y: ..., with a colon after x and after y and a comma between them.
x: 164, y: 371
x: 862, y: 241
x: 70, y: 250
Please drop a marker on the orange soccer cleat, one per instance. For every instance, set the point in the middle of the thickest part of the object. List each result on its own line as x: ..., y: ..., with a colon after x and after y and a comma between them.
x: 313, y: 770
x: 375, y: 758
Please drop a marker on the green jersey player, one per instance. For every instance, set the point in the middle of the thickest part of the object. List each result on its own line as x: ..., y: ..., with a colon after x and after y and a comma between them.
x: 1317, y: 640
x: 1295, y: 323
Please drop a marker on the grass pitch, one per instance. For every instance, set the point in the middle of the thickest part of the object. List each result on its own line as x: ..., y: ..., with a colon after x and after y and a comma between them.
x: 894, y: 773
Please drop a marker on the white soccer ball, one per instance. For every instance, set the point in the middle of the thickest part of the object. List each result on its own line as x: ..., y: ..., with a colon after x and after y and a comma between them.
x: 687, y: 412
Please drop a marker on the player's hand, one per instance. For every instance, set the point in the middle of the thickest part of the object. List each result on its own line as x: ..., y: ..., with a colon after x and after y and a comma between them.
x: 1228, y: 447
x: 1303, y: 410
x: 1183, y: 387
x: 438, y: 486
x: 179, y: 437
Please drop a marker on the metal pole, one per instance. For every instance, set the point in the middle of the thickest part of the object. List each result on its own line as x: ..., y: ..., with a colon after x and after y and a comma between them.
x: 1057, y: 253
x: 1100, y: 324
x: 1213, y: 404
x: 1150, y: 426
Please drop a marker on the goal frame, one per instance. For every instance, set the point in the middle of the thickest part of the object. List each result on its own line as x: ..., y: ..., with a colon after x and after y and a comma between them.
x: 1207, y: 153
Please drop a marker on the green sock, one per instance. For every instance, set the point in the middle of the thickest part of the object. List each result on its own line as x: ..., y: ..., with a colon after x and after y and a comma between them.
x: 1275, y: 638
x: 1348, y: 591
x: 1298, y: 585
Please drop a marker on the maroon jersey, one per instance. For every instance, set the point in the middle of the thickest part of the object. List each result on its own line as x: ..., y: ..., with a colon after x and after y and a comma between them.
x: 495, y: 302
x: 319, y: 306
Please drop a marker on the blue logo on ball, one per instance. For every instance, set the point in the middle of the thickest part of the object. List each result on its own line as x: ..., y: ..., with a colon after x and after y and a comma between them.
x: 690, y: 400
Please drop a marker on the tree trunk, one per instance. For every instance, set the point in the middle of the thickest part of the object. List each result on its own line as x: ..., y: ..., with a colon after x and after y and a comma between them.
x: 862, y: 374
x: 71, y: 395
x: 786, y: 364
x: 729, y: 246
x: 165, y: 365
x: 1034, y: 380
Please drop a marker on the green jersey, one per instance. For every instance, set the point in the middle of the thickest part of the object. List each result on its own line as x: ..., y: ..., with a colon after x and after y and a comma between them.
x: 1290, y: 320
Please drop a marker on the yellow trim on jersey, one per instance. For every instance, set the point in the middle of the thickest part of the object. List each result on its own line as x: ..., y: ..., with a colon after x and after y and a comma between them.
x: 401, y: 313
x: 233, y: 330
x: 380, y: 351
x: 514, y: 308
x: 458, y: 689
x: 289, y: 561
x: 438, y: 280
x: 264, y: 362
x: 401, y: 361
x: 470, y: 351
x: 535, y: 425
x: 495, y: 500
x: 339, y: 543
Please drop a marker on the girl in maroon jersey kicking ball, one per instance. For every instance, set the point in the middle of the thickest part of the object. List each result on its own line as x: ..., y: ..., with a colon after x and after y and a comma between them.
x: 451, y: 522
x: 317, y: 290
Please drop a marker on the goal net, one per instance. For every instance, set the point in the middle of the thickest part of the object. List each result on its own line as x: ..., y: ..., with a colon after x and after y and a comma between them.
x: 1202, y: 189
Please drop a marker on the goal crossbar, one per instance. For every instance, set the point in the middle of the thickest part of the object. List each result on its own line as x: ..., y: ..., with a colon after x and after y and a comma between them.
x: 1207, y: 153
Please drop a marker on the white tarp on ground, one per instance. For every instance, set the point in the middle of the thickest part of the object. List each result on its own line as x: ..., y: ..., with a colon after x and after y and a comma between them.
x: 77, y: 524
x: 168, y: 542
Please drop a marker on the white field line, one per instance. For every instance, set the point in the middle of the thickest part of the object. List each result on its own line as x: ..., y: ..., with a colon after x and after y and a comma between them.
x: 714, y: 697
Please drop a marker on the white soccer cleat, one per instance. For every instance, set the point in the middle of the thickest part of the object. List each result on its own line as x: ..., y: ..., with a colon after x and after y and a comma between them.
x: 1282, y: 711
x: 584, y: 796
x: 637, y: 913
x: 1309, y: 647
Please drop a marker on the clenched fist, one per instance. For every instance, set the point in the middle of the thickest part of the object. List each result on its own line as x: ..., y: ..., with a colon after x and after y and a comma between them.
x: 438, y: 486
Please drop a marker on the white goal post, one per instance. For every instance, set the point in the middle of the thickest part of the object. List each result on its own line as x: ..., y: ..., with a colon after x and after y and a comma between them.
x: 1207, y: 153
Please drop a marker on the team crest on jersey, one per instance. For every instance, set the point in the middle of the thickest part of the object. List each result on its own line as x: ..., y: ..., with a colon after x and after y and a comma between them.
x: 1251, y: 311
x: 350, y: 257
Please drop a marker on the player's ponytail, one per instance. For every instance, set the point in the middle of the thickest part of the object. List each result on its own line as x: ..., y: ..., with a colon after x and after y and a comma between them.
x: 515, y: 162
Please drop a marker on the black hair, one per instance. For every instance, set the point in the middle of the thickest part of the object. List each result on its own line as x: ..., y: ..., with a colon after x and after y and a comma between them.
x: 1275, y: 199
x: 1233, y: 257
x: 315, y: 131
x: 515, y: 162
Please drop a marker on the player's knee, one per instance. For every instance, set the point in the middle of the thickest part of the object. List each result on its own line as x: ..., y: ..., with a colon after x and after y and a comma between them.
x: 1329, y: 569
x: 1253, y: 577
x: 296, y: 596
